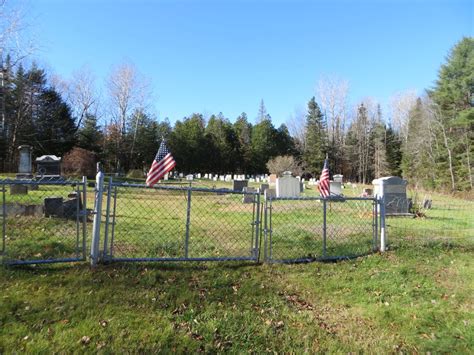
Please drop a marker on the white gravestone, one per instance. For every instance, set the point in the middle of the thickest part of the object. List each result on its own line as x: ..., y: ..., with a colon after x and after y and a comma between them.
x: 287, y: 186
x: 335, y: 188
x: 337, y: 178
x: 394, y: 190
x: 247, y: 198
x: 24, y: 167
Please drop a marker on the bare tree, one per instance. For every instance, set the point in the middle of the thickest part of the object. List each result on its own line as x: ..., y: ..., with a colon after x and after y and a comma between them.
x: 80, y: 92
x: 437, y: 118
x: 400, y: 106
x: 14, y: 39
x: 333, y: 96
x: 297, y: 127
x: 128, y: 90
x: 332, y: 93
x: 282, y: 163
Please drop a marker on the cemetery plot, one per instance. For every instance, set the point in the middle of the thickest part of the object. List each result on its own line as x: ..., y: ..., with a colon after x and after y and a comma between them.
x: 179, y: 224
x: 305, y: 229
x: 43, y: 223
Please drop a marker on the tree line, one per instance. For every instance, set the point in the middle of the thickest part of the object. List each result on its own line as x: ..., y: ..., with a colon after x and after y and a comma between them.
x: 427, y: 139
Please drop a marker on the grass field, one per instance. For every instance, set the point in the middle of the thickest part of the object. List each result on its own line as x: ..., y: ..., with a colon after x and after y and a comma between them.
x: 417, y: 297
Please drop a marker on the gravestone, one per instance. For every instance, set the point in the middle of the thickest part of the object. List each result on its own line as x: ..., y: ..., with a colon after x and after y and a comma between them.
x: 72, y: 206
x: 24, y: 166
x: 18, y: 189
x: 287, y: 186
x: 189, y: 177
x: 263, y: 188
x: 335, y: 188
x: 272, y: 179
x: 427, y: 204
x: 394, y: 190
x: 246, y: 197
x: 238, y: 185
x: 48, y: 166
x: 270, y: 193
x: 337, y: 178
x: 53, y: 207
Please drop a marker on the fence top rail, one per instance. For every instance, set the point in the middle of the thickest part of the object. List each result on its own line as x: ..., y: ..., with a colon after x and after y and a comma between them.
x: 315, y: 198
x: 56, y: 181
x: 182, y: 188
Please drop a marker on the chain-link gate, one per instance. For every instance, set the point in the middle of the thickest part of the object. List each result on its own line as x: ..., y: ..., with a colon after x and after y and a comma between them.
x: 168, y: 223
x: 308, y: 229
x: 43, y: 221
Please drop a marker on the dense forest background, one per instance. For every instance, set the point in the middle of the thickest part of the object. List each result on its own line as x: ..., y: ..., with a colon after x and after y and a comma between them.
x: 426, y: 139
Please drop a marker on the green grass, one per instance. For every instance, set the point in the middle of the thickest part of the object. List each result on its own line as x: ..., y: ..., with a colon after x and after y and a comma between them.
x: 417, y: 297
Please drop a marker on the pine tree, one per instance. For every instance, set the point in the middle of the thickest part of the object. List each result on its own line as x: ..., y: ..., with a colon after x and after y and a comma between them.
x: 454, y: 95
x: 90, y: 136
x: 316, y: 138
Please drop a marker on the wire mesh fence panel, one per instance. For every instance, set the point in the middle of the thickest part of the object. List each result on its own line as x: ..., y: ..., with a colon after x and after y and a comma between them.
x: 441, y: 217
x: 350, y: 227
x: 43, y: 222
x: 305, y: 229
x: 147, y: 223
x: 294, y: 229
x: 223, y: 225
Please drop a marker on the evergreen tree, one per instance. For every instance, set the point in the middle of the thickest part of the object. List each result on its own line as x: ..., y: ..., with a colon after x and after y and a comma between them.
x: 454, y: 95
x: 90, y: 135
x: 316, y: 138
x: 264, y: 145
x: 54, y: 125
x: 243, y: 131
x: 189, y: 145
x: 393, y: 152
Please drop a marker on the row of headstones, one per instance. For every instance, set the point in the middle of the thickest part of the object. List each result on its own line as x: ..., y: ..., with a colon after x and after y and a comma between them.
x: 52, y: 207
x: 218, y: 177
x: 46, y: 165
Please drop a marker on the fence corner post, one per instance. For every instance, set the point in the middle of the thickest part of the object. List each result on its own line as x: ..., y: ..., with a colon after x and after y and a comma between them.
x: 383, y: 236
x: 99, y: 190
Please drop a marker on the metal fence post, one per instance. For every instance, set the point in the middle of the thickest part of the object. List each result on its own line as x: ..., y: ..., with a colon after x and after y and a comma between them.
x: 265, y: 228
x: 84, y: 216
x: 188, y: 224
x: 107, y: 218
x: 4, y: 218
x: 324, y: 226
x: 257, y: 227
x: 99, y: 182
x: 383, y: 236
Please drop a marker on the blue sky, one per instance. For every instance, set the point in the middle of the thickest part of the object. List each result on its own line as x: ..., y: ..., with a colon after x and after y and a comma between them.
x: 212, y: 56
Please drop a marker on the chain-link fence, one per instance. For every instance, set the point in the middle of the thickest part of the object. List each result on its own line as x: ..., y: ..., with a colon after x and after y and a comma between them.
x: 47, y: 221
x: 307, y: 229
x: 180, y: 223
x: 439, y: 217
x: 43, y: 221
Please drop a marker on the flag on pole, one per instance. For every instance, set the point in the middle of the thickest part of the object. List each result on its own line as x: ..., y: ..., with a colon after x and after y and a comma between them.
x: 324, y: 180
x: 162, y: 164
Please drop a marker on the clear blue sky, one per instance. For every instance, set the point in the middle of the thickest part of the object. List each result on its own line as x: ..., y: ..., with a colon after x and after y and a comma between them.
x: 212, y: 56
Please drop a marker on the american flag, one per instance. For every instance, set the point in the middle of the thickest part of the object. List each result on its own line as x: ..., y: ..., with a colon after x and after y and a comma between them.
x: 162, y: 164
x: 324, y: 180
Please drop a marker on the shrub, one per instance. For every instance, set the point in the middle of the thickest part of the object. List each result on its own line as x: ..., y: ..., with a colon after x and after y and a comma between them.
x: 135, y: 174
x: 79, y: 162
x: 280, y: 164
